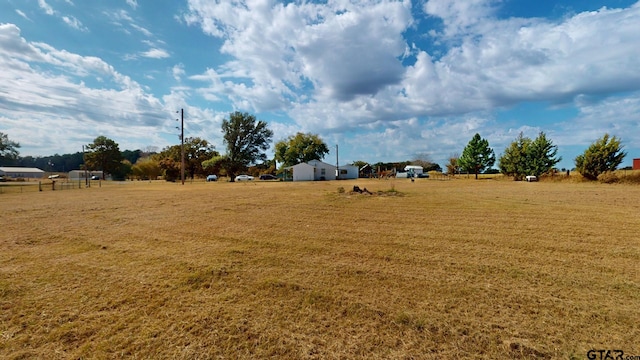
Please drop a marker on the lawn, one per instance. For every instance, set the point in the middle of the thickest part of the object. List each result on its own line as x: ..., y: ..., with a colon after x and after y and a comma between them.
x: 427, y: 270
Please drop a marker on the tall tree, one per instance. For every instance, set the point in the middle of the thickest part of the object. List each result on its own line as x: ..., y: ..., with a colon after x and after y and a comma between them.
x: 8, y: 149
x: 514, y: 161
x: 605, y: 154
x: 542, y: 155
x: 300, y: 148
x: 169, y: 161
x: 104, y: 154
x: 477, y: 156
x: 246, y: 139
x: 196, y: 151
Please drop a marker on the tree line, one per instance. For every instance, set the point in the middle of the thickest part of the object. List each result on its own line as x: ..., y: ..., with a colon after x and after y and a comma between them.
x: 246, y: 139
x: 526, y: 156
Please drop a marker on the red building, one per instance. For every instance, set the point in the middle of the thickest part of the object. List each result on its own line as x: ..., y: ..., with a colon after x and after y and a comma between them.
x: 636, y: 164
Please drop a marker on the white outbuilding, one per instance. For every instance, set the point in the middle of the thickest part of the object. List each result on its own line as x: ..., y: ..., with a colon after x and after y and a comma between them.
x: 21, y: 172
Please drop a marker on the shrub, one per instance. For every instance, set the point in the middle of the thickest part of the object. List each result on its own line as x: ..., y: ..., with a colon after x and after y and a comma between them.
x: 608, y: 178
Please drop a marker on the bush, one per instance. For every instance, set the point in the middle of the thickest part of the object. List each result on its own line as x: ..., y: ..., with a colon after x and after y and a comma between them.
x: 608, y: 178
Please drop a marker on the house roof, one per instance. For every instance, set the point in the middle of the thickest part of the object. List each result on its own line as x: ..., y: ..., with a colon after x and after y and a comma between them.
x: 318, y: 162
x: 15, y: 169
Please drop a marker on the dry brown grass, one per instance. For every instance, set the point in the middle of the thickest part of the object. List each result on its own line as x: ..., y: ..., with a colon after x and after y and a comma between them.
x: 451, y: 269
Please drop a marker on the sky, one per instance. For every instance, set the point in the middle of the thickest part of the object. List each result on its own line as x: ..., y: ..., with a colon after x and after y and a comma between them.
x: 378, y: 81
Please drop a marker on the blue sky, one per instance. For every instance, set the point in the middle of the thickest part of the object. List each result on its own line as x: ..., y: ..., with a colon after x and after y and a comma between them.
x: 384, y: 80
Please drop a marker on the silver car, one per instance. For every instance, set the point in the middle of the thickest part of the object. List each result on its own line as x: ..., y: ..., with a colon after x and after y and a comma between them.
x: 244, y: 178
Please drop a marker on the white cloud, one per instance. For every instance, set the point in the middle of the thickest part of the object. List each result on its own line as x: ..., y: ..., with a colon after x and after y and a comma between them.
x: 155, y: 54
x: 178, y: 72
x: 74, y: 23
x: 337, y: 64
x: 46, y: 7
x: 141, y: 29
x: 335, y: 51
x: 460, y: 16
x: 133, y: 3
x: 617, y: 115
x: 56, y: 100
x: 516, y: 60
x: 21, y: 13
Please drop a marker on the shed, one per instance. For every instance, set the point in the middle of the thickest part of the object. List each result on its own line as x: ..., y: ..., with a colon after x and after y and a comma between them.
x: 636, y: 164
x: 21, y: 172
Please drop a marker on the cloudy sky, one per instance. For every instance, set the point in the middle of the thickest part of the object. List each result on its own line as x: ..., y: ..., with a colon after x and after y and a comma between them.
x: 385, y: 80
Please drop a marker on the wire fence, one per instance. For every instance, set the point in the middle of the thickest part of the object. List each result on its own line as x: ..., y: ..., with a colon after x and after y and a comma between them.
x: 13, y: 187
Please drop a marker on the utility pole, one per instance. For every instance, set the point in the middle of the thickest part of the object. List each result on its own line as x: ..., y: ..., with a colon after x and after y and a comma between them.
x: 84, y: 160
x: 337, y: 164
x: 182, y: 145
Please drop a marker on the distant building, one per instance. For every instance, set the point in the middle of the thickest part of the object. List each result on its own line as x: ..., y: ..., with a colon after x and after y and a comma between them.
x: 636, y: 164
x: 21, y: 172
x: 318, y: 170
x: 82, y: 174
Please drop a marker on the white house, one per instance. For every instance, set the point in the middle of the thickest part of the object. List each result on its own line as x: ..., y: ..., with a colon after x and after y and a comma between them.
x: 348, y: 172
x: 21, y: 172
x: 319, y: 170
x: 313, y: 170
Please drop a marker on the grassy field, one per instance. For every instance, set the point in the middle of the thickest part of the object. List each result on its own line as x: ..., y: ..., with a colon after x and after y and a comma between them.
x: 427, y: 270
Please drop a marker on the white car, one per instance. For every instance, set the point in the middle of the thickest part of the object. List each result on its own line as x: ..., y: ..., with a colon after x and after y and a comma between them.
x: 244, y: 178
x: 530, y: 178
x: 212, y: 178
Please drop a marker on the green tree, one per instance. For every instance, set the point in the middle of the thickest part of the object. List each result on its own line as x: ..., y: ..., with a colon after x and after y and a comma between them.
x: 300, y: 148
x: 246, y: 140
x: 122, y: 171
x: 104, y: 154
x: 541, y: 155
x: 196, y: 151
x: 216, y: 164
x: 604, y: 155
x: 514, y: 160
x: 8, y: 149
x: 477, y: 156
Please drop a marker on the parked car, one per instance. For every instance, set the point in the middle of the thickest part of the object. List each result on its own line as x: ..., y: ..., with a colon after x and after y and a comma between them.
x: 244, y: 178
x: 95, y: 177
x: 268, y: 177
x: 530, y: 178
x: 212, y: 178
